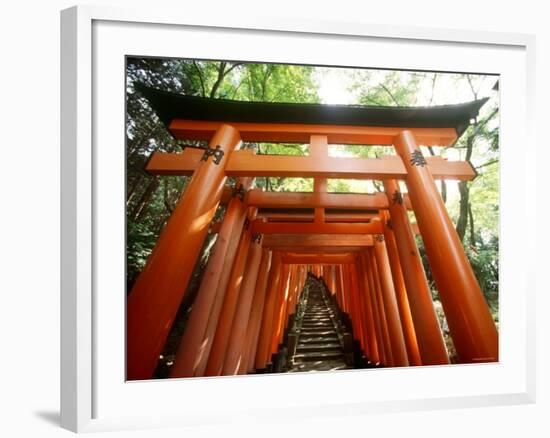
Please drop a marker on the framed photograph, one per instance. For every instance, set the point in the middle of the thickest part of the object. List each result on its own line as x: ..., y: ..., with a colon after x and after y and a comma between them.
x: 291, y: 218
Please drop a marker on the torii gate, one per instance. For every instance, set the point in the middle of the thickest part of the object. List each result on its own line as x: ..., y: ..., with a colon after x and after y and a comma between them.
x: 363, y: 245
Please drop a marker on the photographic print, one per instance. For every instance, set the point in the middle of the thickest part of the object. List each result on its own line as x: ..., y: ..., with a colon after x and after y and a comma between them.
x: 287, y: 218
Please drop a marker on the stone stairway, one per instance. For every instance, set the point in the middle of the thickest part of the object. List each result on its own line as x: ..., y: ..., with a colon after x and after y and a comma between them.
x: 318, y: 348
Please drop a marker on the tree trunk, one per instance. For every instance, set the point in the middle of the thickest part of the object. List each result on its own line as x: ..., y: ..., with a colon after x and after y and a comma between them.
x: 464, y: 190
x: 472, y: 229
x: 462, y: 221
x: 140, y: 207
x: 132, y: 192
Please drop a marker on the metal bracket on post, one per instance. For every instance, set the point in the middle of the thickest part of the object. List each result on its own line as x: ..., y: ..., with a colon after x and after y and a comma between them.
x: 417, y: 159
x: 379, y: 237
x: 216, y: 152
x: 238, y: 190
x: 397, y: 197
x: 256, y: 237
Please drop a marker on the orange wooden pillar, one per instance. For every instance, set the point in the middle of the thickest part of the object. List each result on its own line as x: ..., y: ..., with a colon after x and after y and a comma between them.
x: 338, y: 286
x: 211, y: 290
x: 255, y: 320
x: 263, y: 353
x: 347, y: 290
x: 279, y: 311
x: 360, y: 311
x: 318, y: 150
x: 384, y: 333
x: 154, y: 300
x: 427, y: 329
x: 370, y: 331
x: 395, y: 331
x: 407, y: 324
x: 343, y: 303
x: 328, y: 279
x: 208, y: 339
x: 326, y: 276
x: 303, y: 275
x: 333, y: 279
x: 472, y: 327
x: 293, y: 292
x: 348, y: 297
x: 237, y: 336
x: 214, y: 365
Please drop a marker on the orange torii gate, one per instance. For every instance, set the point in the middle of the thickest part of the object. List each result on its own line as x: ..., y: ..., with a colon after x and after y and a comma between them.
x: 362, y: 245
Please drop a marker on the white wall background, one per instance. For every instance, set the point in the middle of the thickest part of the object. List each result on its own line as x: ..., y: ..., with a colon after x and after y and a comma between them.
x: 29, y: 216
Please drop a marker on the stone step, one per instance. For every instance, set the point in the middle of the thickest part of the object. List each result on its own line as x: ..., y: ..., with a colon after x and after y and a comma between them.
x: 315, y: 346
x: 305, y: 357
x: 315, y: 339
x: 318, y: 329
x: 326, y: 334
x: 327, y: 326
x: 333, y: 365
x: 317, y: 323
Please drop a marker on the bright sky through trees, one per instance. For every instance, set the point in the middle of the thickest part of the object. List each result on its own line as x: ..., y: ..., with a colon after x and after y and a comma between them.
x: 340, y: 86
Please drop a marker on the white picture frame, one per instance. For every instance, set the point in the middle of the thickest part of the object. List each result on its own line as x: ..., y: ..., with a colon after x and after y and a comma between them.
x: 93, y: 398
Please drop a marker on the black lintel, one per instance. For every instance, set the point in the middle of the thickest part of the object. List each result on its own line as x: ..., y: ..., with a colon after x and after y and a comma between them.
x: 169, y: 106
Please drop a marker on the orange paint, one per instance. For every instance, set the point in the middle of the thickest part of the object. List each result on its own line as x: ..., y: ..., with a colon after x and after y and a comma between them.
x: 407, y: 325
x: 255, y: 319
x: 370, y: 329
x: 472, y: 327
x: 212, y: 289
x: 279, y: 312
x: 263, y: 351
x: 395, y: 331
x: 237, y: 336
x: 301, y: 133
x: 427, y: 329
x: 379, y: 301
x: 150, y: 314
x: 216, y: 357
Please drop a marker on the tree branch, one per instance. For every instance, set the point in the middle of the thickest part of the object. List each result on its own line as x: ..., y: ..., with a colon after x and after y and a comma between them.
x: 433, y: 88
x: 201, y: 79
x: 237, y: 64
x: 390, y: 94
x: 471, y: 86
x: 488, y: 163
x: 484, y: 122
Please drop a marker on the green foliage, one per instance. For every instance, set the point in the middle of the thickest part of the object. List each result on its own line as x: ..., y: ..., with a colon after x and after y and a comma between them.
x: 140, y: 242
x: 386, y: 87
x: 484, y: 261
x: 150, y: 200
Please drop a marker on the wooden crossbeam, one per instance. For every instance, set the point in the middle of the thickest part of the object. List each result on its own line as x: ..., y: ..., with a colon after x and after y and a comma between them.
x: 343, y: 201
x: 300, y: 133
x: 318, y: 259
x: 301, y: 241
x: 323, y: 249
x: 344, y: 217
x: 261, y: 227
x: 246, y: 163
x: 312, y: 241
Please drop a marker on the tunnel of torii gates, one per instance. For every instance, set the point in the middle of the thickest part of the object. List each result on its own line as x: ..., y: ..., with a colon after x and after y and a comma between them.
x: 362, y: 245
